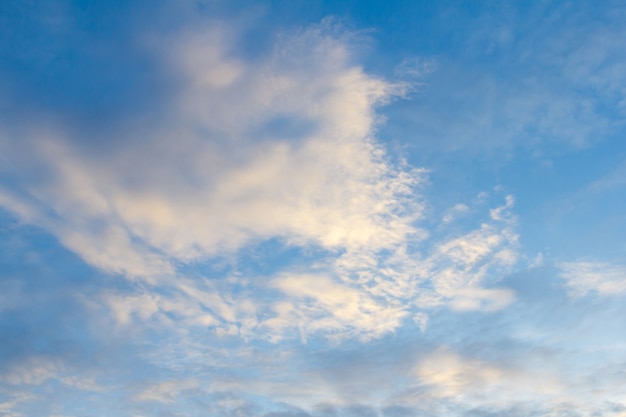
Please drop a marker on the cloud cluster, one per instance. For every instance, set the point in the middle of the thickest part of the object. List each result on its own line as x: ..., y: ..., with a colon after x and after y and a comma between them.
x: 251, y: 149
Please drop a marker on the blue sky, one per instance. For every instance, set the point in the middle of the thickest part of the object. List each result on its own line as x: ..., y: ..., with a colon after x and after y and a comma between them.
x: 312, y: 208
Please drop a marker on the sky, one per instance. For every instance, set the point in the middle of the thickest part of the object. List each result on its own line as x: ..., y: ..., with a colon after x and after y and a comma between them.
x: 312, y: 208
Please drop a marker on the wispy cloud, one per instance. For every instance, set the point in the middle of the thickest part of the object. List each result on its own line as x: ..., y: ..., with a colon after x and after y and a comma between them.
x: 603, y: 279
x: 555, y: 84
x: 166, y: 392
x: 473, y: 381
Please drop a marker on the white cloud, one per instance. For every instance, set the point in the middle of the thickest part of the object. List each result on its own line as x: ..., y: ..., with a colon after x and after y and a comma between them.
x: 482, y: 299
x: 594, y: 277
x: 7, y: 408
x: 454, y: 212
x: 462, y: 265
x: 369, y: 292
x: 473, y: 382
x: 181, y: 304
x: 166, y: 392
x: 221, y: 172
x: 32, y: 371
x: 278, y: 147
x: 416, y: 67
x: 124, y: 307
x: 322, y: 304
x: 38, y: 369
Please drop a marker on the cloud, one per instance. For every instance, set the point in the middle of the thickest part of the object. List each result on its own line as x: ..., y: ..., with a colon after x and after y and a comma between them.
x: 166, y: 392
x: 36, y: 370
x: 473, y: 381
x: 457, y: 210
x: 369, y: 291
x: 603, y: 279
x: 615, y: 179
x: 249, y: 149
x: 279, y: 147
x: 32, y: 371
x: 416, y: 67
x: 321, y: 304
x: 463, y: 264
x: 220, y: 173
x: 243, y: 243
x: 7, y: 407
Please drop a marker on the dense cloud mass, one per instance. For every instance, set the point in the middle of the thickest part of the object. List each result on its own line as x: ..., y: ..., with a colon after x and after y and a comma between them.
x: 223, y: 225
